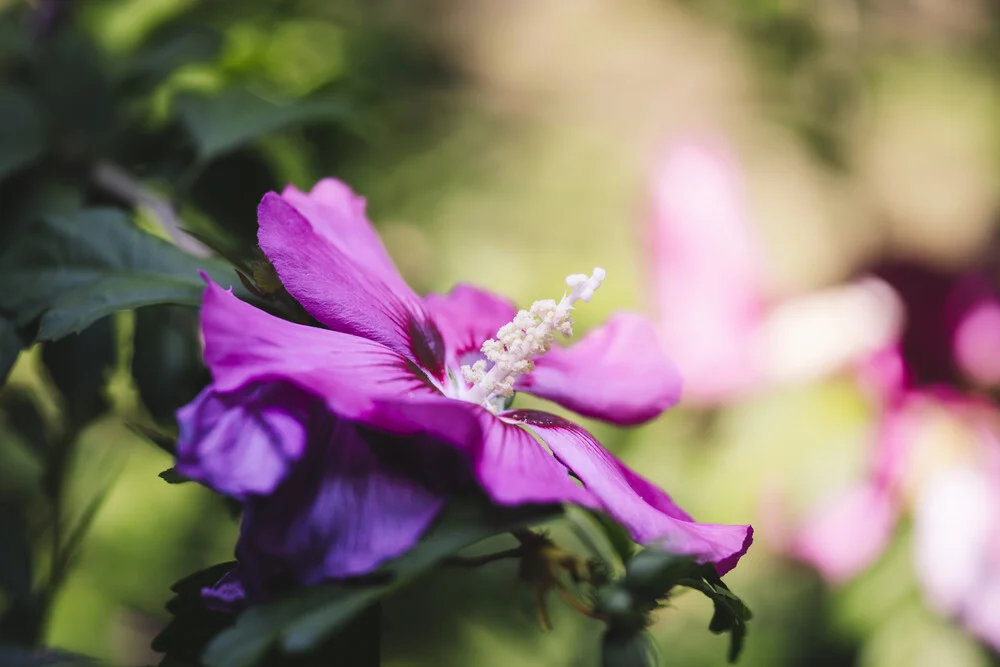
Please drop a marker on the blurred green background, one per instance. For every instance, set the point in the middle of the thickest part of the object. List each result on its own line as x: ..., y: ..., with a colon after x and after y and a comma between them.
x: 506, y: 144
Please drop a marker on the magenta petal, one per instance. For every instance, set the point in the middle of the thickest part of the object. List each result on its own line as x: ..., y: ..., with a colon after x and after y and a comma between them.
x: 467, y: 317
x: 244, y: 442
x: 337, y: 214
x: 244, y: 345
x: 341, y: 513
x: 617, y: 372
x: 648, y: 513
x: 507, y: 461
x: 344, y: 290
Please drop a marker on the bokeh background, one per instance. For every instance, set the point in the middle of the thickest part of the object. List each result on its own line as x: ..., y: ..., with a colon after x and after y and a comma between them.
x: 509, y: 144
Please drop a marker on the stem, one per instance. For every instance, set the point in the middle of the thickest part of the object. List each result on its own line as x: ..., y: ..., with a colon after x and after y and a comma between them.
x: 485, y: 559
x: 117, y: 182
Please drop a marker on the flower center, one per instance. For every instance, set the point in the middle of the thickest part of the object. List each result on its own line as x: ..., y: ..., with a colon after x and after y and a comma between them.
x: 517, y: 343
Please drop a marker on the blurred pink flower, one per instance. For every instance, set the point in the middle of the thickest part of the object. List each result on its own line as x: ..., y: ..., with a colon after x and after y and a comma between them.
x: 917, y: 340
x: 937, y: 454
x: 707, y: 271
x: 715, y: 305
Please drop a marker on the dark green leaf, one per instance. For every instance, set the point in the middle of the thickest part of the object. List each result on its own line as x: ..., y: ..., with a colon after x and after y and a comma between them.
x: 73, y: 270
x: 192, y: 625
x: 79, y: 365
x: 236, y: 116
x: 10, y: 347
x: 22, y: 415
x: 166, y: 358
x: 171, y: 476
x: 15, y: 553
x: 165, y: 53
x: 22, y: 136
x: 306, y: 619
x: 731, y: 614
x: 652, y: 572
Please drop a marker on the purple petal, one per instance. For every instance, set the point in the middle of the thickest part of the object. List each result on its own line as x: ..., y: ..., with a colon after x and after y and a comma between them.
x: 244, y: 442
x: 341, y: 513
x: 343, y: 285
x: 337, y: 214
x: 244, y: 345
x: 227, y: 594
x: 647, y: 512
x: 617, y: 372
x: 507, y: 461
x: 467, y: 317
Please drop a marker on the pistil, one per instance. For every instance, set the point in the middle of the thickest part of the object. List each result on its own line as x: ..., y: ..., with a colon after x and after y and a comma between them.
x: 530, y: 335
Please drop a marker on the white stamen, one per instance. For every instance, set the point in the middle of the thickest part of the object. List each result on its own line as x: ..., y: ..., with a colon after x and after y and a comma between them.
x: 529, y: 335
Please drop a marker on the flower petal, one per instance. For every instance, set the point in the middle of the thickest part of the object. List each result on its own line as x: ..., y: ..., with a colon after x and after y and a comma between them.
x: 507, y: 461
x: 337, y: 214
x: 649, y: 514
x: 468, y: 316
x: 244, y: 345
x: 336, y: 285
x: 341, y: 513
x: 244, y: 442
x: 617, y: 372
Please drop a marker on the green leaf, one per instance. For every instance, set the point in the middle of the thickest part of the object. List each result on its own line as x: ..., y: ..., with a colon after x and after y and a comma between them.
x: 166, y: 359
x: 22, y: 136
x: 22, y: 415
x: 15, y: 553
x: 167, y: 52
x: 731, y: 613
x: 653, y: 572
x: 10, y: 347
x: 236, y: 116
x: 73, y: 270
x: 79, y: 366
x: 303, y: 621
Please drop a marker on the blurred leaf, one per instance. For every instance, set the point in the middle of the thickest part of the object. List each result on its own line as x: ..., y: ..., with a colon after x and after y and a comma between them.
x: 627, y: 649
x: 79, y: 365
x: 166, y: 360
x: 236, y: 116
x: 73, y: 270
x: 76, y: 95
x: 616, y: 535
x: 10, y: 347
x: 304, y: 620
x: 22, y: 135
x: 162, y: 441
x: 22, y: 415
x: 167, y: 52
x: 16, y: 656
x: 15, y: 553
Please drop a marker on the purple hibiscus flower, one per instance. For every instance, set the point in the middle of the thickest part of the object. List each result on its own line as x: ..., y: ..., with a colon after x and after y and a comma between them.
x: 344, y: 442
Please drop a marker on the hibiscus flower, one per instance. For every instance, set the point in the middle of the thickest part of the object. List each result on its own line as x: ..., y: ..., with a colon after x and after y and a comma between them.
x: 344, y: 441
